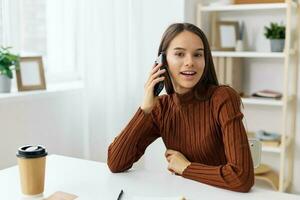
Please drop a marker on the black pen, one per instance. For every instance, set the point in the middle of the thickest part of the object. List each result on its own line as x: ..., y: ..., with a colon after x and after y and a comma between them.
x: 120, y: 195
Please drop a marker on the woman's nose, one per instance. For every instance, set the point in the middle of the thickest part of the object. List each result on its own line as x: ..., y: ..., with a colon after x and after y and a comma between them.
x: 188, y: 60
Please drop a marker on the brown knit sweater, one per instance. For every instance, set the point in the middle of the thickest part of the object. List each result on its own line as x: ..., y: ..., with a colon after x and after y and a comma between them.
x: 209, y: 133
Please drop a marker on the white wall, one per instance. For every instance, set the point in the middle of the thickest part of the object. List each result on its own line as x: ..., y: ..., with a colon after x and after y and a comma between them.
x: 54, y: 120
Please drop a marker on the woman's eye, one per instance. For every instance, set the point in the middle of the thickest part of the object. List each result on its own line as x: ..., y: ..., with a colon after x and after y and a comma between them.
x: 198, y: 55
x: 179, y: 54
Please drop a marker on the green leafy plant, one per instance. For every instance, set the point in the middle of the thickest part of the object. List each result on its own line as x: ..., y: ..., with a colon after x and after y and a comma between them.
x: 8, y: 62
x: 275, y: 31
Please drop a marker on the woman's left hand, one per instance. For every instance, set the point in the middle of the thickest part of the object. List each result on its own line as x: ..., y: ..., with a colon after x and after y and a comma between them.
x: 177, y: 161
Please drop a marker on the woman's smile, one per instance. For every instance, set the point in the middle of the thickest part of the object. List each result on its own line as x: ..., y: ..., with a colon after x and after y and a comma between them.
x: 188, y: 75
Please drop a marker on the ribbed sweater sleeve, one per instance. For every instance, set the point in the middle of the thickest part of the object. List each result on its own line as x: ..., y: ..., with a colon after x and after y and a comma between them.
x: 237, y: 174
x: 131, y: 143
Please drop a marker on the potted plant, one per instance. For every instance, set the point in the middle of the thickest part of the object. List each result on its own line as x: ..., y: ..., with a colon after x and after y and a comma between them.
x: 8, y: 63
x: 276, y: 34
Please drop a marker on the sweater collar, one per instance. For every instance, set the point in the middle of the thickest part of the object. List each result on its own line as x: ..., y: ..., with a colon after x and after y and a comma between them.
x: 184, y: 99
x: 190, y: 96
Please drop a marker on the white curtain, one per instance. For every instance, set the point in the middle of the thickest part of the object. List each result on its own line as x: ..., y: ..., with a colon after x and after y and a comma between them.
x: 119, y: 45
x: 10, y: 24
x: 62, y: 23
x: 113, y: 76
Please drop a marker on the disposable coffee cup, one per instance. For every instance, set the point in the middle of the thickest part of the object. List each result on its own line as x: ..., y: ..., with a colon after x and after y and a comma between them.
x: 32, y: 163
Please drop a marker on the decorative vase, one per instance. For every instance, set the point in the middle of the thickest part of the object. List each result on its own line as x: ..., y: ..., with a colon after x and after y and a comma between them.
x: 277, y: 45
x: 5, y: 84
x: 239, y: 45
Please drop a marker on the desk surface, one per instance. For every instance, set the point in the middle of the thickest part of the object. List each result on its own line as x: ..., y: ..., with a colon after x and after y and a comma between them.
x: 92, y: 180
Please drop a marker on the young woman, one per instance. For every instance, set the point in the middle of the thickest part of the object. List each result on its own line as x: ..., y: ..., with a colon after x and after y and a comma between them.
x: 199, y: 121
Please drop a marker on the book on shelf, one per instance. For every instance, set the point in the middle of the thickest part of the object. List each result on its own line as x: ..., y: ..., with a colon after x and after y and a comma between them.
x: 267, y: 94
x: 274, y: 143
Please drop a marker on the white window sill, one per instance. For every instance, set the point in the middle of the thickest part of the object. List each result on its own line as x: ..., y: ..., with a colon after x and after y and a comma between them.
x: 51, y: 88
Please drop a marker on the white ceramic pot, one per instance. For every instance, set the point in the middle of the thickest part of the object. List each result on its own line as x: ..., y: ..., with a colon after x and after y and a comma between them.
x: 277, y: 45
x: 5, y: 84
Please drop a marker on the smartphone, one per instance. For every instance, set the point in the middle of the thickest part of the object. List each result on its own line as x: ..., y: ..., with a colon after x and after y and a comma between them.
x: 161, y: 59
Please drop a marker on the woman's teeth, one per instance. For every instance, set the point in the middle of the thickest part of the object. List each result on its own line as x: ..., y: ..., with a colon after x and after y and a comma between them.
x: 188, y: 73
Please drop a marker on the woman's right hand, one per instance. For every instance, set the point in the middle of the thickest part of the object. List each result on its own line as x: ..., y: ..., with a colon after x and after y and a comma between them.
x: 149, y: 98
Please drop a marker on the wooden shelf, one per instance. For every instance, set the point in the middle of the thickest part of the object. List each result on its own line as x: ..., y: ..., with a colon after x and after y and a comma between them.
x: 262, y: 101
x: 277, y: 149
x: 265, y: 101
x: 271, y: 149
x: 229, y: 71
x: 240, y: 7
x: 248, y: 54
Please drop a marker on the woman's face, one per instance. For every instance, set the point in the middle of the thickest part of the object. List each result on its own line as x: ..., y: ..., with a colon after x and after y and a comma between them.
x: 185, y: 57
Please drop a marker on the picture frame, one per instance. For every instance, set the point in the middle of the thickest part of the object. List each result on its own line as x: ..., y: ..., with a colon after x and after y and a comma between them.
x: 227, y: 35
x: 31, y: 75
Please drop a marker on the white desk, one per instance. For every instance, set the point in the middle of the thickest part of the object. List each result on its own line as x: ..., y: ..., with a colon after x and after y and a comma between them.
x: 93, y: 181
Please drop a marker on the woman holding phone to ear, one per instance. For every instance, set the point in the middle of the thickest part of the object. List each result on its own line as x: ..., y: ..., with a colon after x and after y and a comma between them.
x: 199, y: 121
